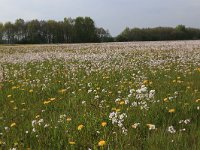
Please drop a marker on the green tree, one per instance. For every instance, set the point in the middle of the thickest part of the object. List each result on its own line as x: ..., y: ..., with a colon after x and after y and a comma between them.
x: 1, y: 33
x: 9, y: 32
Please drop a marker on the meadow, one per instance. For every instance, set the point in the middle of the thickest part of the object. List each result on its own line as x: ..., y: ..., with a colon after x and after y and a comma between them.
x: 116, y: 96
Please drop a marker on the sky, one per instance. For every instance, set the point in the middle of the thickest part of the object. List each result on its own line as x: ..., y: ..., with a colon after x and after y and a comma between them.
x: 113, y: 15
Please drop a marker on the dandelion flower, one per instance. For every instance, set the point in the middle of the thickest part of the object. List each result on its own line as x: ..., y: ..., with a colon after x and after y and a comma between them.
x: 198, y: 100
x: 9, y: 96
x: 102, y: 143
x: 135, y: 125
x: 145, y: 81
x: 80, y: 127
x: 151, y: 126
x: 165, y: 100
x: 52, y: 99
x: 122, y: 102
x: 171, y: 110
x: 13, y: 124
x: 46, y: 102
x: 72, y: 142
x: 103, y: 124
x: 30, y: 91
x: 69, y: 119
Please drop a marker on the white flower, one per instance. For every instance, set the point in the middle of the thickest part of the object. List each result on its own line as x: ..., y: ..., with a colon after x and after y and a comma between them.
x: 34, y: 130
x: 132, y: 91
x: 83, y: 102
x: 151, y: 94
x: 89, y: 91
x: 171, y: 129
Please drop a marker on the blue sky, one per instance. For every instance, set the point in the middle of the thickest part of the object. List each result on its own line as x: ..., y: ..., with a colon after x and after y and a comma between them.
x: 114, y: 15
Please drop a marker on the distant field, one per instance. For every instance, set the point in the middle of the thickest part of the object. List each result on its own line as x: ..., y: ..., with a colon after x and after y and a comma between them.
x: 116, y: 96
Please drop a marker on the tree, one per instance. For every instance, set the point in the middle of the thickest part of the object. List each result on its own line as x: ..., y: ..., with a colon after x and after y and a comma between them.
x: 20, y: 30
x: 9, y: 32
x: 85, y: 30
x: 33, y: 31
x: 1, y: 33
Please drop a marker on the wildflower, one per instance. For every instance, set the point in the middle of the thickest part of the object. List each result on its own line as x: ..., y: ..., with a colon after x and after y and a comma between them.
x: 118, y: 110
x: 72, y: 142
x: 171, y: 129
x: 165, y: 100
x: 46, y: 102
x: 13, y: 124
x: 15, y: 108
x: 135, y: 125
x: 62, y: 91
x: 83, y: 102
x: 30, y: 91
x: 37, y: 116
x: 145, y: 81
x: 52, y: 99
x: 102, y: 143
x: 171, y: 110
x: 122, y: 102
x: 103, y: 124
x: 46, y: 125
x: 198, y: 100
x: 9, y: 96
x: 151, y: 126
x: 80, y: 127
x: 69, y: 119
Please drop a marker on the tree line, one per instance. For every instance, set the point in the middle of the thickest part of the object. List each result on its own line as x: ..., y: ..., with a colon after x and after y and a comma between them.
x: 180, y: 32
x: 83, y: 30
x: 78, y: 30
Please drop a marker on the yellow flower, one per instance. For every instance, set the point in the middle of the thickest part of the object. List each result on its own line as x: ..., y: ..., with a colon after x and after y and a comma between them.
x: 198, y: 100
x: 69, y: 119
x: 135, y: 125
x: 122, y: 102
x: 62, y: 91
x: 145, y: 81
x: 118, y: 110
x: 103, y: 124
x: 165, y: 100
x: 80, y: 127
x: 52, y: 99
x: 9, y: 96
x: 102, y: 143
x: 151, y: 126
x: 172, y: 110
x: 46, y: 102
x: 72, y: 142
x: 30, y: 91
x: 37, y: 116
x: 13, y: 124
x: 14, y: 87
